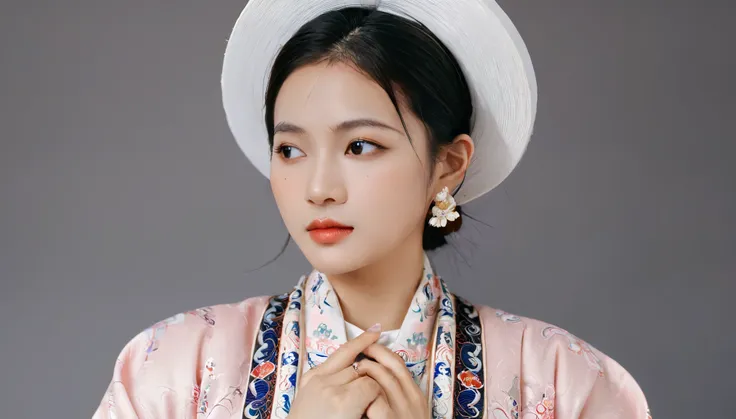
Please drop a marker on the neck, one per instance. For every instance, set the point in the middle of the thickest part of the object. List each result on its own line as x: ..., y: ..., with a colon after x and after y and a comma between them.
x: 382, y: 291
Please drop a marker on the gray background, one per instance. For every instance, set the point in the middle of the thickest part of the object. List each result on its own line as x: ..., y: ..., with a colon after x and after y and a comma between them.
x: 125, y: 199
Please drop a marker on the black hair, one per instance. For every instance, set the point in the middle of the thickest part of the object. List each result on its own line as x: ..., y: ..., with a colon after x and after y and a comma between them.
x: 402, y: 56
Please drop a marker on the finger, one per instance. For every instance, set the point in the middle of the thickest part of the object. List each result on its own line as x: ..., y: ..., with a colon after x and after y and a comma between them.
x: 347, y: 353
x: 379, y: 409
x: 339, y: 378
x: 396, y: 365
x: 396, y: 395
x: 351, y: 373
x: 362, y: 392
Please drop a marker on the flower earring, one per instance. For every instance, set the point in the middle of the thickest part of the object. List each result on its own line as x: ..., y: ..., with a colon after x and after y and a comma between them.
x: 443, y: 209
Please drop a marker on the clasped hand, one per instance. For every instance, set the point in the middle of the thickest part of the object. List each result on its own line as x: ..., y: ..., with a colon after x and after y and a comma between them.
x: 379, y: 388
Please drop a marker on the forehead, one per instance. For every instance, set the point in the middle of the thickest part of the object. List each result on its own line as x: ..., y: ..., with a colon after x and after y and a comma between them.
x: 328, y: 93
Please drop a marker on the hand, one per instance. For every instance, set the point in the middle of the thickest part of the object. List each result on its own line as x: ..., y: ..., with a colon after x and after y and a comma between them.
x: 401, y: 397
x: 335, y: 389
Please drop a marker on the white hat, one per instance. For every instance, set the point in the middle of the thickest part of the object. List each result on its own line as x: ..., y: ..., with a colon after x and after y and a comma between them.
x: 494, y: 59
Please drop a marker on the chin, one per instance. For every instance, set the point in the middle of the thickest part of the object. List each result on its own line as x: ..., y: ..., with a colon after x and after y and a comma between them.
x: 335, y: 259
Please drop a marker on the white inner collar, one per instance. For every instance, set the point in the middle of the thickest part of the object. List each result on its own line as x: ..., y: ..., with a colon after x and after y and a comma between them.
x: 387, y: 338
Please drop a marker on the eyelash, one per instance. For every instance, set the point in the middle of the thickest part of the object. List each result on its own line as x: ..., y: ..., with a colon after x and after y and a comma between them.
x: 280, y: 148
x: 363, y: 140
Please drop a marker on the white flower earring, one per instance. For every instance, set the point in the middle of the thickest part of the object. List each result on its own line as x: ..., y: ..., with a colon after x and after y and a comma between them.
x: 443, y: 209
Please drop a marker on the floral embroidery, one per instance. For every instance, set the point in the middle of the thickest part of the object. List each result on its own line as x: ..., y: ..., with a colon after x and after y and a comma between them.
x: 577, y: 346
x: 323, y: 318
x: 209, y: 366
x: 195, y: 394
x: 317, y: 300
x: 423, y: 306
x: 415, y: 355
x: 509, y: 411
x: 323, y: 332
x: 544, y: 408
x: 204, y: 313
x: 203, y: 402
x: 155, y: 332
x: 201, y: 396
x: 229, y: 400
x: 416, y: 340
x: 510, y: 407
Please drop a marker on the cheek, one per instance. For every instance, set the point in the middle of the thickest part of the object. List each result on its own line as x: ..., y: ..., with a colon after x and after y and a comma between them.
x: 285, y: 193
x: 393, y: 196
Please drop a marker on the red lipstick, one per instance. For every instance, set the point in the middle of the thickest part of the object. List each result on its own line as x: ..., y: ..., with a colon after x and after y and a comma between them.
x: 328, y: 231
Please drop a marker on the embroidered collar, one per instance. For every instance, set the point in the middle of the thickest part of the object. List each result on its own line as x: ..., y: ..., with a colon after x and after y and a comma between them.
x: 453, y: 362
x: 325, y: 329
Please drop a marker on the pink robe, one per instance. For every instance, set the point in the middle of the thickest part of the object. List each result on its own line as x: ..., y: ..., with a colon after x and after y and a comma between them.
x: 199, y: 365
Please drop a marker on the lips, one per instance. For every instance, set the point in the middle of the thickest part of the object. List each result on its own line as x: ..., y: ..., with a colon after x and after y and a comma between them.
x: 328, y: 231
x: 325, y: 223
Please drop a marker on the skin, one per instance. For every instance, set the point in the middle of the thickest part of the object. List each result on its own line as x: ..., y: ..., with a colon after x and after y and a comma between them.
x: 369, y: 176
x: 339, y: 389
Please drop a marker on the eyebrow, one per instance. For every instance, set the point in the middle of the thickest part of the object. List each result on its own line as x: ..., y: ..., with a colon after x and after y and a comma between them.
x: 288, y: 127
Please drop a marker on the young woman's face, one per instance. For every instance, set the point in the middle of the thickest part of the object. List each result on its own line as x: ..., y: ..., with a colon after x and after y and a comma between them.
x: 341, y: 154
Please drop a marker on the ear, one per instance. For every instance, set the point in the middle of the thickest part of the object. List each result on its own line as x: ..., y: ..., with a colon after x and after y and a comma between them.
x: 452, y: 162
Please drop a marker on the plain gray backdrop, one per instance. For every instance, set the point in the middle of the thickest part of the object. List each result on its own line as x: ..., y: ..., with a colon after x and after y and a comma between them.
x: 125, y: 199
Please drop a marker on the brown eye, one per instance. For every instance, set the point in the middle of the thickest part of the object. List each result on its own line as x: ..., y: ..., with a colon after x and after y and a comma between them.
x: 288, y: 151
x: 362, y: 147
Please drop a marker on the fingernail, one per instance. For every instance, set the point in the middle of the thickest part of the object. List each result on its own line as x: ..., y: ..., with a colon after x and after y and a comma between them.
x: 375, y: 328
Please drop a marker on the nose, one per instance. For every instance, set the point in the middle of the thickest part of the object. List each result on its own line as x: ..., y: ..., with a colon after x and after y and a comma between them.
x: 326, y: 184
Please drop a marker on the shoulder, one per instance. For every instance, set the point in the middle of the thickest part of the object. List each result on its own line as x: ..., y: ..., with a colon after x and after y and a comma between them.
x: 187, y: 337
x: 168, y: 369
x: 547, y: 358
x: 193, y: 327
x: 203, y: 320
x: 543, y: 341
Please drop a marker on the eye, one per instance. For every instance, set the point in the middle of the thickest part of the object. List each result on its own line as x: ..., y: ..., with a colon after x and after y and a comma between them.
x: 288, y: 151
x: 362, y: 147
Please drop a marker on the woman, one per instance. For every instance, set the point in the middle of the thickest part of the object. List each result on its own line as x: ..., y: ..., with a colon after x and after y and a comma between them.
x: 378, y: 122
